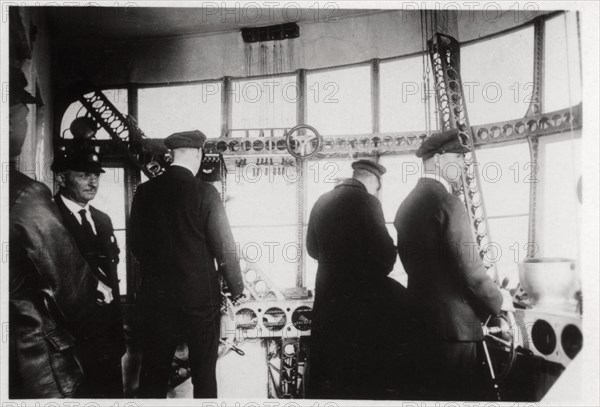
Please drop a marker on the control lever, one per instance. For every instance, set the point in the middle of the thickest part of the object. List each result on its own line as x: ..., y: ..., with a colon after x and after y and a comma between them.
x: 231, y: 346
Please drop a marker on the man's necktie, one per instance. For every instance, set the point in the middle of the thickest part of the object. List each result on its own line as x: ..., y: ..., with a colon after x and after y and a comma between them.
x: 87, y: 227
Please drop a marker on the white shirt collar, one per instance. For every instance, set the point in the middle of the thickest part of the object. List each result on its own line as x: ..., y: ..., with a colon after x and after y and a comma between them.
x: 185, y: 166
x: 439, y: 179
x: 75, y: 208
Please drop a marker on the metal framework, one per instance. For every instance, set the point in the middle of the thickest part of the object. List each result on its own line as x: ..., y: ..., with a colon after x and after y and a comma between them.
x: 445, y: 57
x: 286, y: 357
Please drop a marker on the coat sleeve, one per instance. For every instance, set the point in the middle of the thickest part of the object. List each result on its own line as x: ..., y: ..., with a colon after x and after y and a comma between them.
x: 136, y: 223
x: 465, y: 255
x: 312, y: 244
x: 380, y: 245
x: 36, y: 228
x: 221, y: 243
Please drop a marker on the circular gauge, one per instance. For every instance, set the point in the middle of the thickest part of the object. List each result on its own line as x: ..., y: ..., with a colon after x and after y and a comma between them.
x: 251, y: 276
x: 281, y: 145
x: 234, y: 145
x: 274, y: 319
x: 258, y: 145
x: 302, y: 318
x: 543, y: 337
x: 260, y: 287
x: 571, y: 340
x: 246, y: 145
x: 245, y: 318
x: 221, y: 146
x: 270, y: 145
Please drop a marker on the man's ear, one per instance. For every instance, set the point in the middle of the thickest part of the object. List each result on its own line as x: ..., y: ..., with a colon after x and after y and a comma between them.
x: 61, y: 179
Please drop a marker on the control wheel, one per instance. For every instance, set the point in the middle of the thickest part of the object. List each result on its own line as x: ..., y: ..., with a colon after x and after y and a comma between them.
x: 499, y: 335
x: 301, y: 144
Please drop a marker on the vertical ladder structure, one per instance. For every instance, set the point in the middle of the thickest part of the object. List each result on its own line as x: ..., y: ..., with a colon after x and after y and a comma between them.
x: 444, y: 52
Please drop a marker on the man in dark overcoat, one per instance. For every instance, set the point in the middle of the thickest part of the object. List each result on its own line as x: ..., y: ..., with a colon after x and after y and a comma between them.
x: 52, y: 289
x: 181, y: 236
x: 449, y: 290
x: 354, y: 298
x: 101, y: 338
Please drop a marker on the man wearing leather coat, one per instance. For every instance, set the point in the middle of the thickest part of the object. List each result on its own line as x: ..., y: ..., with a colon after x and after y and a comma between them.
x: 51, y: 286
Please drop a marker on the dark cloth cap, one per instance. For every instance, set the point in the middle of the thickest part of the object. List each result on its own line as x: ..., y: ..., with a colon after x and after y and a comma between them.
x: 185, y: 139
x: 449, y: 141
x: 370, y: 166
x: 82, y: 125
x: 79, y: 156
x: 17, y: 84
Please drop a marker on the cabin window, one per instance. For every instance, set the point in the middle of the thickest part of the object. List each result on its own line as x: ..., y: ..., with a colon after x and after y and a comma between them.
x: 562, y: 69
x: 110, y: 199
x: 402, y: 174
x: 339, y: 100
x: 497, y: 75
x: 258, y: 104
x: 117, y: 97
x: 403, y: 95
x: 506, y: 174
x: 170, y: 109
x: 559, y: 214
x: 265, y: 229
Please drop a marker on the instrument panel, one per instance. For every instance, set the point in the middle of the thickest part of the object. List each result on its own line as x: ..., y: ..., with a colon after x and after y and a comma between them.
x: 556, y: 337
x: 268, y: 319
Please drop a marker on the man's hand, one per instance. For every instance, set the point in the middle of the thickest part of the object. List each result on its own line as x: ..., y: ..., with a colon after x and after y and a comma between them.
x: 104, y: 293
x: 507, y: 301
x: 242, y: 298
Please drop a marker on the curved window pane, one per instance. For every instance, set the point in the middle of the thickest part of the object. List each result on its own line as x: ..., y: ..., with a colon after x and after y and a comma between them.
x: 558, y: 204
x: 273, y: 249
x: 505, y: 174
x: 339, y: 100
x: 118, y: 97
x: 403, y: 93
x: 401, y: 177
x: 562, y: 69
x: 497, y: 77
x: 111, y: 196
x: 255, y: 198
x: 263, y: 103
x: 167, y: 110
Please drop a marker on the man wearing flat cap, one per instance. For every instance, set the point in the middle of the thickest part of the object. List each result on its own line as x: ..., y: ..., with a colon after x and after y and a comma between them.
x: 52, y: 288
x: 101, y: 338
x: 348, y: 237
x: 179, y: 229
x: 450, y: 292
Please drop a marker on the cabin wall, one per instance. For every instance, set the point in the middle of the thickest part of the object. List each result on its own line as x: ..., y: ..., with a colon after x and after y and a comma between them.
x: 200, y: 57
x: 37, y: 153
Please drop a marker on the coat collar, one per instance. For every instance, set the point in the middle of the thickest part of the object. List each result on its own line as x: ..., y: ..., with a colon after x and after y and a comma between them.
x: 351, y: 182
x: 439, y: 179
x: 180, y: 170
x: 433, y: 181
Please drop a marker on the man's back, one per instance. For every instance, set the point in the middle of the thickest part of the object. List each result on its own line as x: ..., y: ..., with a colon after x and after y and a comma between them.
x: 179, y: 228
x: 347, y: 235
x: 446, y: 278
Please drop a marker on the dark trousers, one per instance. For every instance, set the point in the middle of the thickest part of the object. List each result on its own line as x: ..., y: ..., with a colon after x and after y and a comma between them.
x: 163, y: 328
x: 101, y: 347
x: 451, y: 371
x: 103, y: 377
